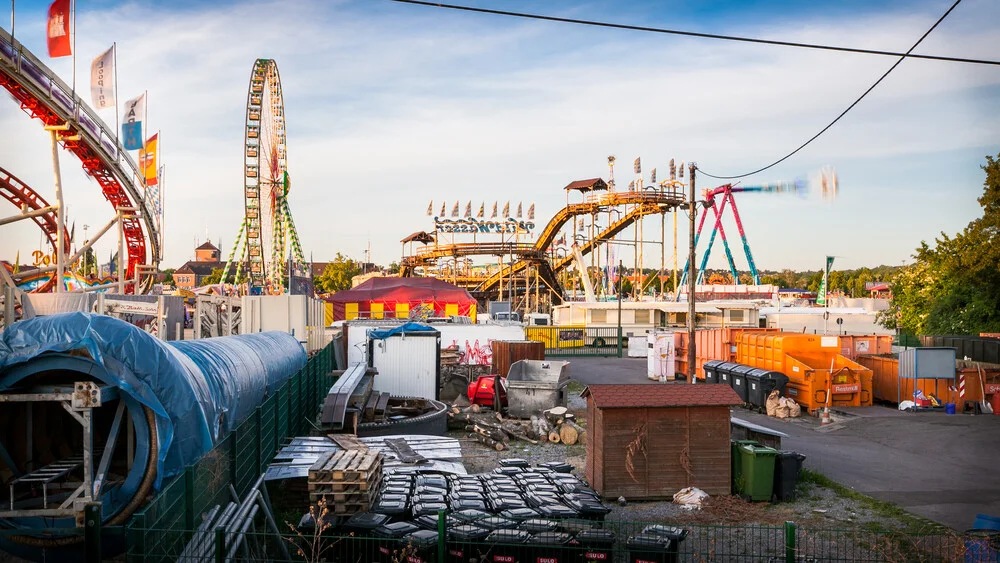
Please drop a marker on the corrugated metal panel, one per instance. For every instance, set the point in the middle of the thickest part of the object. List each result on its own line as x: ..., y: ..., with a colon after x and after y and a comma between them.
x: 927, y: 363
x: 407, y: 365
x: 506, y: 352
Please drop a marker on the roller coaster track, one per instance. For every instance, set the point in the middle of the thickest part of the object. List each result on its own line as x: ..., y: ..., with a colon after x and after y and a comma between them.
x: 42, y: 95
x: 23, y: 197
x: 618, y: 226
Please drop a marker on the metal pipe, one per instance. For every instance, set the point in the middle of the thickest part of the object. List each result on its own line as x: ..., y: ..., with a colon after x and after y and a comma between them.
x: 692, y: 275
x: 28, y: 215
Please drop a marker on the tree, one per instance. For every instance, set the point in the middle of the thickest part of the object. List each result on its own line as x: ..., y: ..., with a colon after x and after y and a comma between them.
x: 337, y: 275
x: 168, y: 276
x: 954, y: 286
x: 393, y: 268
x: 214, y: 277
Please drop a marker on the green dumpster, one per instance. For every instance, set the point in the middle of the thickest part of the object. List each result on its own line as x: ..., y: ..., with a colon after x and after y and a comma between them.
x: 734, y: 461
x: 756, y: 479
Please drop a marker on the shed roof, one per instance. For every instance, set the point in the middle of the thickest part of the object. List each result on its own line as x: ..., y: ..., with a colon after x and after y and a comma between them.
x: 668, y: 395
x: 588, y: 185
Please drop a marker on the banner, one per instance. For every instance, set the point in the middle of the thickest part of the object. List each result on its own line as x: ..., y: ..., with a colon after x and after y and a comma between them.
x: 506, y: 209
x: 147, y: 160
x: 531, y: 212
x: 57, y: 31
x: 454, y: 210
x: 468, y: 209
x: 430, y: 208
x: 637, y: 166
x: 494, y: 214
x: 652, y: 177
x: 443, y: 208
x: 132, y: 123
x: 821, y: 296
x: 102, y: 80
x: 482, y: 211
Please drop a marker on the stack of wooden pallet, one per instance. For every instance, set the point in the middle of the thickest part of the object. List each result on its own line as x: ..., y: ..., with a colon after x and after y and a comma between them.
x: 348, y: 480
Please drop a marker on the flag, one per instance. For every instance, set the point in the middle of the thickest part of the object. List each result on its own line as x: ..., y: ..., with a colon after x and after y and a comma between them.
x: 637, y: 166
x: 454, y: 210
x: 682, y: 170
x: 468, y: 210
x: 132, y: 123
x: 482, y: 210
x: 506, y: 209
x: 673, y: 170
x: 444, y: 209
x: 147, y: 160
x: 652, y: 177
x: 631, y: 185
x: 430, y: 208
x: 494, y: 215
x: 531, y: 212
x: 72, y: 234
x: 57, y: 32
x: 17, y: 262
x: 102, y: 80
x: 821, y: 295
x: 519, y: 210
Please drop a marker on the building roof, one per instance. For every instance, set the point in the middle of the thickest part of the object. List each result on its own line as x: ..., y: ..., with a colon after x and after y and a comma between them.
x: 666, y: 395
x: 204, y: 268
x: 419, y: 236
x: 588, y: 185
x: 207, y: 246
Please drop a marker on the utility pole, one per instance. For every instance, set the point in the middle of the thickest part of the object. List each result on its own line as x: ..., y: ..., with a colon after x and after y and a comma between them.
x: 692, y: 276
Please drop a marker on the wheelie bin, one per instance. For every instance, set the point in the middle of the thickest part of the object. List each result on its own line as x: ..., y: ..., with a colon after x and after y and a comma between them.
x: 672, y: 534
x: 735, y: 464
x: 760, y: 383
x: 723, y: 373
x: 462, y: 542
x: 786, y: 474
x: 388, y: 536
x: 506, y: 546
x: 594, y: 546
x: 547, y: 547
x: 738, y: 373
x: 756, y: 480
x: 711, y: 368
x: 650, y: 548
x: 421, y: 546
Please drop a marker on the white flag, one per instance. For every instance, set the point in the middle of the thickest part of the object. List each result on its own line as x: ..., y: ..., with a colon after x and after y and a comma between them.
x: 102, y: 80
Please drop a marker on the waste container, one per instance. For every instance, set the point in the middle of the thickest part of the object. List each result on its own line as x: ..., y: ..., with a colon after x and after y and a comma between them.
x: 506, y: 546
x: 538, y: 525
x: 761, y: 382
x: 557, y: 466
x: 711, y: 368
x: 595, y: 546
x: 649, y: 548
x: 786, y: 474
x: 421, y: 546
x: 672, y: 534
x: 358, y: 528
x: 734, y: 461
x: 547, y: 547
x: 387, y: 540
x: 723, y: 373
x: 738, y: 373
x: 519, y: 514
x: 756, y: 480
x: 463, y: 542
x: 536, y: 385
x: 982, y: 546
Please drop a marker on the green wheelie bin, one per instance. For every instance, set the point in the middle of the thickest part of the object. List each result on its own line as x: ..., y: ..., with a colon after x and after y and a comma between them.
x: 756, y: 477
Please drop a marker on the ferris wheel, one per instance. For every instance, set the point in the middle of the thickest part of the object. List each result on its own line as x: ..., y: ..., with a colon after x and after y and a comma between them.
x: 267, y: 236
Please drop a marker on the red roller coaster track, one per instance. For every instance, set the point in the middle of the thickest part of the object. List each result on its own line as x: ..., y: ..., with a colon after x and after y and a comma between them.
x: 23, y: 197
x: 44, y: 97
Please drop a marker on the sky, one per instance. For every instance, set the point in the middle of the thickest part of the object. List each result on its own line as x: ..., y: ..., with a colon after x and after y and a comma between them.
x: 390, y: 106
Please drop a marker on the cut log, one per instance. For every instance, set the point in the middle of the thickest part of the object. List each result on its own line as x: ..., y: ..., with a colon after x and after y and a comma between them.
x: 554, y: 437
x: 558, y: 411
x: 571, y: 431
x: 518, y: 436
x: 491, y: 433
x: 487, y: 441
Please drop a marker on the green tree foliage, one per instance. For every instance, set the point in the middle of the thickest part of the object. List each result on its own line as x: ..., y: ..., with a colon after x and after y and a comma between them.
x: 168, y: 276
x: 337, y: 275
x: 953, y: 287
x: 214, y: 277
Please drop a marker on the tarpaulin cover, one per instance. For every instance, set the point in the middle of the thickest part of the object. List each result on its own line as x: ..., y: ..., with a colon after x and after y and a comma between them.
x: 402, y: 296
x: 199, y: 390
x: 407, y: 327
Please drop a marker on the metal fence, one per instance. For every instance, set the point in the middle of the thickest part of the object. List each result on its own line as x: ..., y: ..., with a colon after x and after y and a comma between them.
x: 578, y: 341
x: 696, y: 544
x: 160, y: 530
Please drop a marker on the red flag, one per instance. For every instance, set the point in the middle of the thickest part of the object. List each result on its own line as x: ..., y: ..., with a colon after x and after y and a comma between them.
x: 58, y: 29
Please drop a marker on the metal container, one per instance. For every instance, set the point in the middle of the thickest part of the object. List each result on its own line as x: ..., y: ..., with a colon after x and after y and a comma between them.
x: 927, y: 363
x: 534, y: 386
x: 506, y: 352
x: 408, y: 364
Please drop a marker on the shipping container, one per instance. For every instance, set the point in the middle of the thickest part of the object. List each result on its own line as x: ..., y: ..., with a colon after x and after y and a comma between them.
x: 408, y: 364
x: 974, y: 348
x: 854, y: 345
x: 888, y: 387
x: 710, y: 344
x: 818, y: 374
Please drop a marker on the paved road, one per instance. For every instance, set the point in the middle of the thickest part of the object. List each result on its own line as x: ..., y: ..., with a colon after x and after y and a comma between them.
x: 944, y: 468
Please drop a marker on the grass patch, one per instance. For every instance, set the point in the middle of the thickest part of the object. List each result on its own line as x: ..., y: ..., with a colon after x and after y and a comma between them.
x: 575, y: 387
x: 909, y: 523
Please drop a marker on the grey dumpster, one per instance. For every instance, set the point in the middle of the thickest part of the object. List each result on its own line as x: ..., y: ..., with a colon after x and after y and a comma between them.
x: 536, y: 385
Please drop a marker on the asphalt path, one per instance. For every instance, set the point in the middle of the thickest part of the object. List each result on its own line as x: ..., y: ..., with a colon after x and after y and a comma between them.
x: 943, y: 468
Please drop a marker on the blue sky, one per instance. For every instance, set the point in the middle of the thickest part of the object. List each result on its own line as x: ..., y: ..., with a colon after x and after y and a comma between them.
x: 390, y: 106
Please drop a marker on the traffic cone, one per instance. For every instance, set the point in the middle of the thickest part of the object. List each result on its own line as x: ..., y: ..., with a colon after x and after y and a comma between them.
x: 825, y: 417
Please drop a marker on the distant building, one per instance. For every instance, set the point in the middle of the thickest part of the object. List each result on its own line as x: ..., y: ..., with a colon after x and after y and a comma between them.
x: 193, y: 273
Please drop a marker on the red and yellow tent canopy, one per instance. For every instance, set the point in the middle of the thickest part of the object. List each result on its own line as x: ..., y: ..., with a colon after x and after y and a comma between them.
x: 388, y: 298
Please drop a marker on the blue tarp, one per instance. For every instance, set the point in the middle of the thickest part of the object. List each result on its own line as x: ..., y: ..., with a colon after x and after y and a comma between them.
x: 199, y: 390
x: 408, y: 327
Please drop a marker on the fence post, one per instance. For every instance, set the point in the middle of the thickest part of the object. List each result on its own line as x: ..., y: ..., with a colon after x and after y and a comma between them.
x: 619, y: 341
x: 789, y: 542
x: 220, y: 544
x: 441, y: 535
x: 189, y: 499
x: 92, y: 532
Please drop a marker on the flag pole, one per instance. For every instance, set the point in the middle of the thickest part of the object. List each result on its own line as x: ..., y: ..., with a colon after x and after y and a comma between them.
x: 114, y: 48
x: 74, y: 58
x: 12, y: 21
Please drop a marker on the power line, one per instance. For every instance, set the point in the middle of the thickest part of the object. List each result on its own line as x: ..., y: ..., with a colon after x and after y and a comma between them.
x: 843, y: 113
x: 695, y: 33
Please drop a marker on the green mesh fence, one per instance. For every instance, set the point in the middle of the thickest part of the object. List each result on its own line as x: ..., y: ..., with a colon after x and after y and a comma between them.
x: 160, y: 530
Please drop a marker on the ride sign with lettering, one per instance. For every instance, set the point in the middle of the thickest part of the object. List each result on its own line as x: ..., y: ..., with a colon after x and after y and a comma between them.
x: 473, y: 225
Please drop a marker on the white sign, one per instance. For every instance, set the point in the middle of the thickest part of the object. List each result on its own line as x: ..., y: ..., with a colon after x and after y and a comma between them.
x: 473, y: 225
x: 829, y: 342
x: 117, y: 306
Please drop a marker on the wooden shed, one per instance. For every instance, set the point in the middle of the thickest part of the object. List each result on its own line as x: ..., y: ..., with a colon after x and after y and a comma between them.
x: 650, y: 441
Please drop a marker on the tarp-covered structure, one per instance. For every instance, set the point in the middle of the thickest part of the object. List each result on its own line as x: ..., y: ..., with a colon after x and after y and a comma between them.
x: 389, y: 298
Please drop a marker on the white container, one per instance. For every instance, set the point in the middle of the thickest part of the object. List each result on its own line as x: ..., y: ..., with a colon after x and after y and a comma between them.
x: 661, y: 355
x: 302, y: 316
x: 407, y: 364
x: 637, y: 346
x: 536, y: 385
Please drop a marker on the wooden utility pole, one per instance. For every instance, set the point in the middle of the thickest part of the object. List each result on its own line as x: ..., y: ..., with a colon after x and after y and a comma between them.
x: 692, y: 276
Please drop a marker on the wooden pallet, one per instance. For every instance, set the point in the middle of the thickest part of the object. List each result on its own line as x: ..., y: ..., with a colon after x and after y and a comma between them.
x: 348, y: 479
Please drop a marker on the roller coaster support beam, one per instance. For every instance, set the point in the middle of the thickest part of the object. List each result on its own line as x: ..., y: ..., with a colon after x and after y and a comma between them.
x: 83, y: 249
x: 28, y: 215
x: 60, y: 207
x: 746, y: 245
x: 718, y: 211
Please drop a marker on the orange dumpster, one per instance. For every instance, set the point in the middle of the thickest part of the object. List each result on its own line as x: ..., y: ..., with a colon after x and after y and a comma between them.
x: 710, y: 344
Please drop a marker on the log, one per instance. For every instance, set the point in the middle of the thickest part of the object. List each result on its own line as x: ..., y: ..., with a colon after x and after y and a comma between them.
x: 554, y: 419
x: 486, y: 440
x: 577, y: 433
x: 554, y: 437
x: 521, y: 437
x: 492, y: 434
